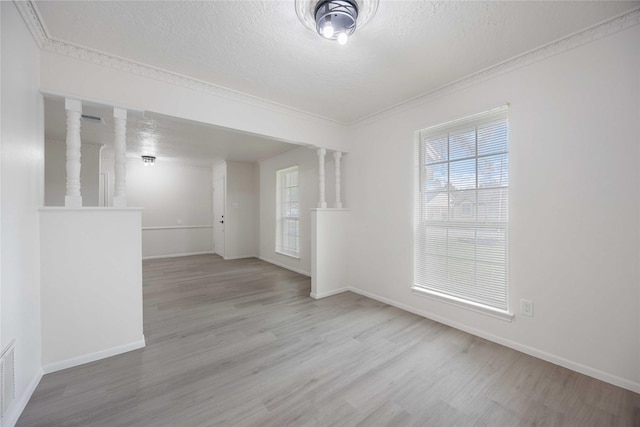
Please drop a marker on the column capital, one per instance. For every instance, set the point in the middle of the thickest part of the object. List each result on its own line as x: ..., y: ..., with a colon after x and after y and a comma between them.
x: 119, y: 113
x: 337, y: 154
x: 73, y: 105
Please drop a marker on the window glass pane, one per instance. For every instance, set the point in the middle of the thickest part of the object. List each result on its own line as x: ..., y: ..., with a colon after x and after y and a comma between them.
x: 491, y: 246
x: 462, y: 144
x: 288, y: 211
x: 492, y: 137
x: 437, y: 176
x: 294, y: 210
x: 435, y: 149
x: 462, y: 174
x: 493, y: 205
x: 463, y: 205
x: 437, y: 205
x: 462, y: 231
x: 437, y: 267
x: 462, y: 244
x: 493, y: 171
x: 436, y: 241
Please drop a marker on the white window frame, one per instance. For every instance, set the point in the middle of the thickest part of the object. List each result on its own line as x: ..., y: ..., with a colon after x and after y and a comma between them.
x: 448, y: 222
x: 284, y: 216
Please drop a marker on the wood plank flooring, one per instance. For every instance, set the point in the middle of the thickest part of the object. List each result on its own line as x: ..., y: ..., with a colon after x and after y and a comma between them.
x: 242, y: 343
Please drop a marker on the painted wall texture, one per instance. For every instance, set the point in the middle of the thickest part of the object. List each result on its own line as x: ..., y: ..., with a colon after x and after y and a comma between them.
x: 574, y: 206
x: 22, y: 179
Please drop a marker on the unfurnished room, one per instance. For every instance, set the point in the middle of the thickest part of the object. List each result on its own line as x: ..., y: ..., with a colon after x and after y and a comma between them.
x: 319, y: 213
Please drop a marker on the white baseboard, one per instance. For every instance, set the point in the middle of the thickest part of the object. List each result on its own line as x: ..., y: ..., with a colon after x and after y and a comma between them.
x: 270, y: 261
x: 552, y: 358
x: 177, y: 255
x: 21, y: 401
x: 231, y: 258
x: 92, y: 357
x: 328, y: 294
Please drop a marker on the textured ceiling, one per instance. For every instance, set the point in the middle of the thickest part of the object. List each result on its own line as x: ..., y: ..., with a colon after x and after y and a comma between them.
x: 167, y: 138
x: 260, y: 48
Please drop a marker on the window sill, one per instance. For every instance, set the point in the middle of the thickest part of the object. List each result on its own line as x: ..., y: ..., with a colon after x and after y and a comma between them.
x: 289, y: 255
x: 457, y: 302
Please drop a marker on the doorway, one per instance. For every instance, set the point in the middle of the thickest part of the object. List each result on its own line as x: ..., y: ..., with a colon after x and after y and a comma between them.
x: 218, y: 216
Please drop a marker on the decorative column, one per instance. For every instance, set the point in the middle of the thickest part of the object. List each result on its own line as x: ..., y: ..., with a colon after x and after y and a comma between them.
x: 336, y: 157
x: 72, y: 198
x: 120, y: 157
x: 322, y: 203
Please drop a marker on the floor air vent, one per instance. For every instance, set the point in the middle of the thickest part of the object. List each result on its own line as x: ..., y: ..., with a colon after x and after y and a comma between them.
x: 7, y: 378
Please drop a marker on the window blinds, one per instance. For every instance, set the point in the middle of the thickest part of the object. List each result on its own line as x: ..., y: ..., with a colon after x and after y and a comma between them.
x: 287, y: 239
x: 461, y: 228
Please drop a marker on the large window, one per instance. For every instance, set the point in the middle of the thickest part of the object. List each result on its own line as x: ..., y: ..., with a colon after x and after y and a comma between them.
x: 461, y: 230
x: 288, y: 212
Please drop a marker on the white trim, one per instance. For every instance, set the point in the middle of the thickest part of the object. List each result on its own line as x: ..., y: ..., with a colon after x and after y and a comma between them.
x: 330, y: 210
x: 605, y: 28
x: 178, y: 255
x: 20, y: 403
x: 459, y: 302
x: 92, y: 357
x: 87, y: 209
x: 286, y: 254
x: 40, y: 33
x: 328, y: 294
x: 531, y: 351
x: 231, y: 258
x: 287, y: 267
x: 175, y: 227
x: 45, y: 41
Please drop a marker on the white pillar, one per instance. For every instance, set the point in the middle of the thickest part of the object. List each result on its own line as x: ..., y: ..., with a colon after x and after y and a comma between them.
x: 336, y: 157
x: 73, y: 199
x: 322, y: 203
x: 120, y: 158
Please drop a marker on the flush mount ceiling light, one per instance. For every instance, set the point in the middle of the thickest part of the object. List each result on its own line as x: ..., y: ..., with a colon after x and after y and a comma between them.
x: 149, y: 160
x: 335, y: 19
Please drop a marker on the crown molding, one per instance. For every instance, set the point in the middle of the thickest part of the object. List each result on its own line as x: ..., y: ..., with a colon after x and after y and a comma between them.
x: 605, y: 28
x: 31, y: 16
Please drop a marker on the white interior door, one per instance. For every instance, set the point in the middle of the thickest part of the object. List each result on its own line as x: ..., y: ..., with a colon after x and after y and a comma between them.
x: 218, y: 216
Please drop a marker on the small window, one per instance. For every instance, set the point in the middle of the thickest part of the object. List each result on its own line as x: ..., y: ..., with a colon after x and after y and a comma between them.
x: 288, y: 212
x: 461, y: 228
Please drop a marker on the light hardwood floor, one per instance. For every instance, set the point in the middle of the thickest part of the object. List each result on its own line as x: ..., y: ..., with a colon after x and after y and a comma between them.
x: 242, y: 343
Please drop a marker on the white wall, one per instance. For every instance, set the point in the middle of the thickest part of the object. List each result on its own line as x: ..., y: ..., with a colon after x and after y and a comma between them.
x: 574, y: 206
x: 241, y: 216
x: 21, y: 195
x: 307, y: 161
x: 61, y: 74
x: 55, y: 173
x: 329, y: 253
x: 91, y: 284
x: 177, y: 202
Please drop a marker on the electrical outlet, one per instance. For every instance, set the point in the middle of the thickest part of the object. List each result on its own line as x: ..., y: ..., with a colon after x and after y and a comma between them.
x: 526, y: 307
